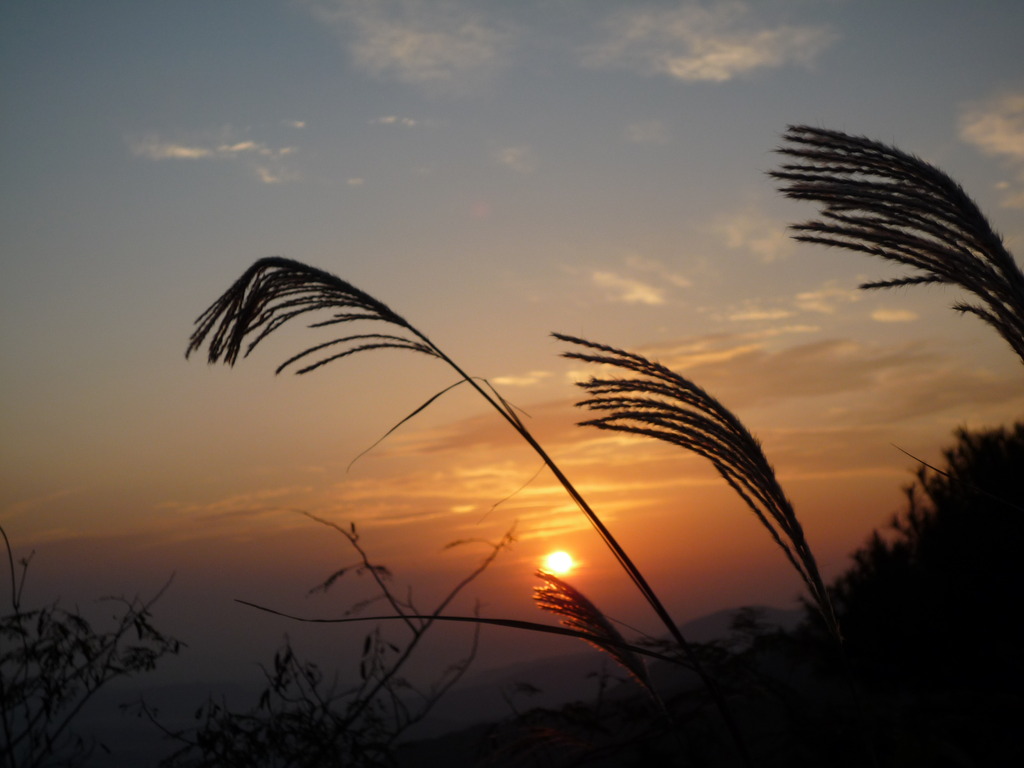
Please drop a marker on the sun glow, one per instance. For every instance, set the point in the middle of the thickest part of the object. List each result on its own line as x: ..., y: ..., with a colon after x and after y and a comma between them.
x: 559, y: 563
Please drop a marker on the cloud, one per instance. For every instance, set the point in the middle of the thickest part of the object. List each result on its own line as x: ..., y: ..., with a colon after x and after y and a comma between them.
x: 628, y: 291
x: 519, y: 159
x: 267, y: 176
x: 241, y: 146
x: 33, y: 504
x: 355, y: 181
x: 761, y: 314
x: 859, y: 384
x: 996, y: 127
x: 154, y: 148
x: 708, y: 352
x: 269, y: 168
x: 755, y: 232
x: 782, y: 330
x: 525, y: 380
x: 827, y: 408
x: 826, y: 299
x: 866, y: 394
x: 696, y: 43
x: 393, y: 120
x: 893, y: 316
x: 253, y: 504
x: 644, y: 264
x: 415, y: 41
x: 638, y: 280
x: 298, y: 124
x: 647, y: 132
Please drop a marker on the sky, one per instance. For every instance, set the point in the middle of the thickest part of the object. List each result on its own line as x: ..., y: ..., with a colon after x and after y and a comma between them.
x: 494, y: 172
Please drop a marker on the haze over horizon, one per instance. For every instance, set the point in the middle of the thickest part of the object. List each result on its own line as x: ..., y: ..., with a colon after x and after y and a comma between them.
x: 493, y: 172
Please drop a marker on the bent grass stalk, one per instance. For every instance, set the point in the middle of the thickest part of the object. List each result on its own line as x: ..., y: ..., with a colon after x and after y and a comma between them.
x: 599, y: 640
x: 275, y: 290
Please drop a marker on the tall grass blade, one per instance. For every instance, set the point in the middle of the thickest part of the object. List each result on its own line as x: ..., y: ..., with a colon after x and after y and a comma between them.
x: 529, y: 626
x: 275, y: 290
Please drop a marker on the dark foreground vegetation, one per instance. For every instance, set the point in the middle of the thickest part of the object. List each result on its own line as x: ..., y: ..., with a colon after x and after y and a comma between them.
x: 911, y: 657
x: 930, y: 673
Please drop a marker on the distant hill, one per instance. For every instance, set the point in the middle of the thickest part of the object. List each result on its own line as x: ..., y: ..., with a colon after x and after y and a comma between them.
x: 454, y: 725
x: 554, y: 681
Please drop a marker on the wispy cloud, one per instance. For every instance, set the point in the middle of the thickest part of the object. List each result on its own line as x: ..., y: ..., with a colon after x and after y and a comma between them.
x: 647, y: 132
x: 155, y: 148
x: 520, y: 159
x: 264, y: 161
x: 30, y: 505
x: 852, y: 398
x: 522, y: 380
x: 268, y: 176
x: 866, y: 394
x: 637, y: 279
x: 996, y: 127
x: 408, y: 122
x: 423, y: 42
x: 753, y: 313
x: 753, y: 231
x: 883, y: 315
x: 263, y: 503
x: 627, y: 290
x: 640, y: 263
x: 826, y: 299
x: 697, y: 43
x: 860, y: 384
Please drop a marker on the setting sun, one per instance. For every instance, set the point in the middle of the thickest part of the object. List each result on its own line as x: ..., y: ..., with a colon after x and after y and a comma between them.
x: 558, y: 563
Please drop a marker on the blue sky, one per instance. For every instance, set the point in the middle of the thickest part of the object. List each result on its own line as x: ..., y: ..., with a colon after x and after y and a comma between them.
x: 494, y: 171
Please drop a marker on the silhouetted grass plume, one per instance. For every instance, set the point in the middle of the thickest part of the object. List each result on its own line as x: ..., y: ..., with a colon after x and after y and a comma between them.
x: 559, y: 597
x: 884, y: 202
x: 656, y: 402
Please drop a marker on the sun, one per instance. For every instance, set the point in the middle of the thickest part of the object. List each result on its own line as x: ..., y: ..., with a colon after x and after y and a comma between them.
x: 559, y: 563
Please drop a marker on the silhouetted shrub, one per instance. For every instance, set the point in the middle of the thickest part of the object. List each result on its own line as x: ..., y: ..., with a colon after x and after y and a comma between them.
x: 929, y: 608
x: 53, y: 661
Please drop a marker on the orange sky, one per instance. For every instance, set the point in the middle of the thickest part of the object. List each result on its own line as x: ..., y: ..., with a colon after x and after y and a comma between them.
x: 494, y: 172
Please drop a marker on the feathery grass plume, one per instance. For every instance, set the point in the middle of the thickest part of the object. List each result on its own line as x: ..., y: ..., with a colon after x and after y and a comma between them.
x: 657, y: 402
x: 577, y: 612
x: 884, y: 202
x: 274, y: 290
